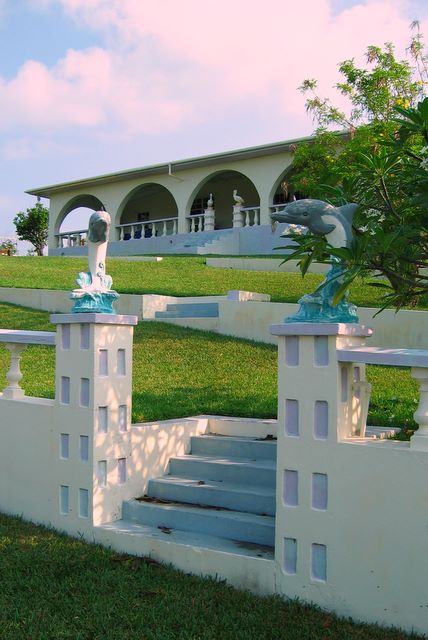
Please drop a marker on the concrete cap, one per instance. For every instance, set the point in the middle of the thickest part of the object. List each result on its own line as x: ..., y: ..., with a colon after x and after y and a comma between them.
x: 92, y: 318
x: 320, y: 329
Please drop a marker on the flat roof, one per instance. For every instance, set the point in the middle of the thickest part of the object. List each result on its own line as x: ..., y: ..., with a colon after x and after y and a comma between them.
x: 173, y: 166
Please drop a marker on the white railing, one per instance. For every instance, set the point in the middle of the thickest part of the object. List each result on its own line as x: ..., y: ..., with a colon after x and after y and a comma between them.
x: 195, y: 223
x: 251, y: 216
x: 416, y: 359
x: 72, y: 238
x: 148, y: 229
x: 15, y: 342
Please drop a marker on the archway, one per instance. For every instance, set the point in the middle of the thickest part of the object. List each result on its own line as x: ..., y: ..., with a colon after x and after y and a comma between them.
x: 283, y: 190
x: 147, y: 204
x: 72, y: 221
x: 222, y: 185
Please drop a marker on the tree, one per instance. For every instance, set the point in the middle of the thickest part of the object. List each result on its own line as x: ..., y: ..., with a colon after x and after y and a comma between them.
x: 383, y: 166
x: 8, y: 247
x: 33, y: 226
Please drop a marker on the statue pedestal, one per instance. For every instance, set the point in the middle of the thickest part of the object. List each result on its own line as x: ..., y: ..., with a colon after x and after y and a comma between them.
x: 93, y: 301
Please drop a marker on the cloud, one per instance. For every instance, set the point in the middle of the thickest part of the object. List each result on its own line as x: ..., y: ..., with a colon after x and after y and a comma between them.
x: 167, y: 65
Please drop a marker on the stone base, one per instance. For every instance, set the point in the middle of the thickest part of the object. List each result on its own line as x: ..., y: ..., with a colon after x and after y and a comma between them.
x: 93, y: 301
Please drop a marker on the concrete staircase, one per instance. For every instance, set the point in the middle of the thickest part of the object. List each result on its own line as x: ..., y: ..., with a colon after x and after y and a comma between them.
x: 221, y: 497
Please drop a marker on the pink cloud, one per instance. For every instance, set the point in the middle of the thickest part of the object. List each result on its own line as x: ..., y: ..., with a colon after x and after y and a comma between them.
x: 173, y: 63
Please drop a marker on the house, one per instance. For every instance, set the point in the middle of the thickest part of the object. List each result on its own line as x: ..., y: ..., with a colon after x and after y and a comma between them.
x: 218, y: 203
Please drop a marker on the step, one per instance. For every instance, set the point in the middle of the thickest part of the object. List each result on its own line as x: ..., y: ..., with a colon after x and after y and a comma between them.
x: 238, y: 497
x: 132, y: 537
x: 242, y: 471
x: 234, y: 446
x: 222, y: 523
x: 192, y: 310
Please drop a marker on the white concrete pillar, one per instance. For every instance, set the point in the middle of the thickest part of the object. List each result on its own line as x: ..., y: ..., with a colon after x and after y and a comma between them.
x: 316, y: 410
x: 93, y: 382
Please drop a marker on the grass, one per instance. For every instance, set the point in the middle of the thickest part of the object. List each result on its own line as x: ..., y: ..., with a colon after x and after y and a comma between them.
x: 176, y: 276
x: 180, y: 372
x: 56, y: 588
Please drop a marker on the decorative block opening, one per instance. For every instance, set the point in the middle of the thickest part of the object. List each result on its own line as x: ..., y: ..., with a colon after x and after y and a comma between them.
x: 290, y: 556
x: 321, y: 420
x: 84, y: 336
x: 319, y: 491
x: 319, y: 562
x: 321, y: 351
x: 64, y: 503
x: 292, y: 351
x: 121, y: 468
x: 291, y: 488
x: 291, y: 418
x: 65, y: 390
x: 121, y: 362
x: 84, y: 448
x: 65, y: 336
x: 123, y: 418
x: 102, y: 473
x: 344, y: 383
x: 83, y: 503
x: 102, y: 419
x: 64, y: 446
x: 103, y: 362
x: 84, y: 392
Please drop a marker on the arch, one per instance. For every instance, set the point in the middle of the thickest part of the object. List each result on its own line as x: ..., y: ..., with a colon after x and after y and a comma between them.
x: 85, y: 201
x: 148, y: 201
x: 282, y: 193
x: 222, y: 184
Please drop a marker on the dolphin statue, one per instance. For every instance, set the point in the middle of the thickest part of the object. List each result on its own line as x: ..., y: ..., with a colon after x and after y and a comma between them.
x: 321, y: 218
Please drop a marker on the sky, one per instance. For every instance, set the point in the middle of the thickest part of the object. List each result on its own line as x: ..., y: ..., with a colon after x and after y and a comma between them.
x: 94, y: 86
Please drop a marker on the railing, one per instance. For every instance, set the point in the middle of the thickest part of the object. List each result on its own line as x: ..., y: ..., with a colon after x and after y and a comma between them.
x: 251, y: 216
x: 417, y: 359
x: 72, y: 238
x: 195, y: 223
x: 149, y: 229
x: 15, y: 342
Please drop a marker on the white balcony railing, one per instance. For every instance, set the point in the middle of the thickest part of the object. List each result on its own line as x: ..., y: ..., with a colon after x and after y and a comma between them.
x: 195, y: 223
x: 149, y: 229
x: 72, y: 238
x: 15, y: 342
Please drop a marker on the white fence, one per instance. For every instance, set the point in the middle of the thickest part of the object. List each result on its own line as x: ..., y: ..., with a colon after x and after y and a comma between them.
x: 352, y: 512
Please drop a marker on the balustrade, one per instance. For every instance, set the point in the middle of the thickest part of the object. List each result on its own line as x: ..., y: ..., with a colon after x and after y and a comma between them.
x: 148, y: 229
x: 15, y: 342
x: 72, y: 238
x: 196, y: 223
x: 417, y: 359
x: 251, y: 216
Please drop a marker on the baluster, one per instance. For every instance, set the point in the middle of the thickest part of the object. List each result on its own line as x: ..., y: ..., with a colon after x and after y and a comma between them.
x: 14, y: 375
x: 192, y: 225
x: 256, y: 217
x: 247, y: 218
x: 420, y: 440
x: 132, y: 230
x: 164, y: 230
x: 174, y: 227
x: 202, y: 224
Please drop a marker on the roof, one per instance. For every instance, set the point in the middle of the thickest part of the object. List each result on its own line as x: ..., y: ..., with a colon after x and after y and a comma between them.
x: 170, y: 167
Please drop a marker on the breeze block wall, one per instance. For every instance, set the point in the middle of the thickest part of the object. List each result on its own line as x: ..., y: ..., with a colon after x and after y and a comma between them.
x: 352, y: 512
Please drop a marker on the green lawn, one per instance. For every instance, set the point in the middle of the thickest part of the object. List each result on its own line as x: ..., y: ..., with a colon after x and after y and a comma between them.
x: 180, y: 372
x: 56, y: 588
x: 176, y: 276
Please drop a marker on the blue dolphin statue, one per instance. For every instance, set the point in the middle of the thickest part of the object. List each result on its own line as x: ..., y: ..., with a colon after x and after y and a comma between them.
x: 321, y: 218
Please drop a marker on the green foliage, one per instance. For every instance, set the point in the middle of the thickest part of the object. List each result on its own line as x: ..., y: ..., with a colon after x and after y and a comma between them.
x: 8, y: 247
x: 33, y: 226
x: 383, y: 166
